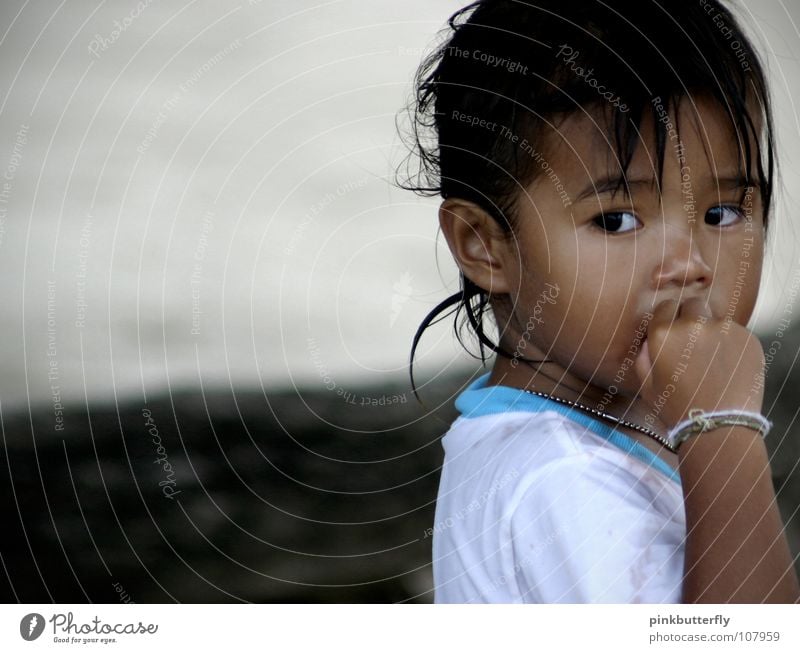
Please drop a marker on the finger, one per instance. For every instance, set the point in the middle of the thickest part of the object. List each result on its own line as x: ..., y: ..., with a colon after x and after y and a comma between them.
x: 665, y: 312
x: 695, y: 307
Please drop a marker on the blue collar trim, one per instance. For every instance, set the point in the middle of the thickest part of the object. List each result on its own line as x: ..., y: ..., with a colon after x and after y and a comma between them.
x: 479, y: 400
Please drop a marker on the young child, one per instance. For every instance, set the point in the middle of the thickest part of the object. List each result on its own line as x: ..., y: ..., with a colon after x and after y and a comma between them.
x: 607, y: 175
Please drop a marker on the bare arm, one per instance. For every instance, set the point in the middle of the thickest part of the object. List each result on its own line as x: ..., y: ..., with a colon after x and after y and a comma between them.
x: 736, y: 551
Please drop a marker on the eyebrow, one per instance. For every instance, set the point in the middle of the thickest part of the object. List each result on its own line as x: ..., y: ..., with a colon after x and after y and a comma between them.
x: 616, y: 183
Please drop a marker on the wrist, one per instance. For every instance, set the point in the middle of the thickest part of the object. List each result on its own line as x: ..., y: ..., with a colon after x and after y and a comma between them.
x: 700, y: 422
x: 737, y: 441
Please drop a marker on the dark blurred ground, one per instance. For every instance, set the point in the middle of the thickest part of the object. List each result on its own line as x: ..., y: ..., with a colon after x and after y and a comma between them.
x: 284, y: 498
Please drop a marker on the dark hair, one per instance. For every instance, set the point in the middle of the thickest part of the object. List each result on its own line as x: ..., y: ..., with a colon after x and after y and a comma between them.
x: 499, y: 62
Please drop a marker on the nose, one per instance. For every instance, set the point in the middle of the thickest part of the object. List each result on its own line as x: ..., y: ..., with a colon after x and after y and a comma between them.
x: 682, y: 263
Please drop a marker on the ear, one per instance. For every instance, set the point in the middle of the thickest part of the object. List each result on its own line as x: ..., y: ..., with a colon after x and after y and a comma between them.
x: 478, y: 244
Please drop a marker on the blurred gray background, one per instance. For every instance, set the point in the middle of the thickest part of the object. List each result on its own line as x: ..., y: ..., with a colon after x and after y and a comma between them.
x: 197, y: 202
x: 213, y: 183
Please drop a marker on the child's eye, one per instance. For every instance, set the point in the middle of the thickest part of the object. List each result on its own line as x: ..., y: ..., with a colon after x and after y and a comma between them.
x: 722, y: 216
x: 617, y: 222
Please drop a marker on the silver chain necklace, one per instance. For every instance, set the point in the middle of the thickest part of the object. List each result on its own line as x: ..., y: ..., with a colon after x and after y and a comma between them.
x: 621, y: 422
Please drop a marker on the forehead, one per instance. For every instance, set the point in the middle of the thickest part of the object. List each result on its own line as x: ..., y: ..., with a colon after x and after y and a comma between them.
x: 699, y: 131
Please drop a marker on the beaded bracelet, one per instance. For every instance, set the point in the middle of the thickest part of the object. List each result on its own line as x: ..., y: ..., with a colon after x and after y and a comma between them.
x: 700, y: 421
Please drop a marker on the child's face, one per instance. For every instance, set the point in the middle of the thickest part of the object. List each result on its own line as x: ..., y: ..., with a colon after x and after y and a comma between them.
x: 693, y: 240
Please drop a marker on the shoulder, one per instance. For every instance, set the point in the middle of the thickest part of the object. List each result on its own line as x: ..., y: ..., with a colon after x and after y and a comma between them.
x: 549, y: 444
x: 537, y: 444
x: 601, y: 477
x: 519, y: 429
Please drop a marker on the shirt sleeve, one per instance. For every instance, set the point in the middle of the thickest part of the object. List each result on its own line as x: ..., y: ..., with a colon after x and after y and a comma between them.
x: 587, y: 530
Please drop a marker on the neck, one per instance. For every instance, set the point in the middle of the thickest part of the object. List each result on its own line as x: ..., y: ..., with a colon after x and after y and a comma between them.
x: 552, y: 379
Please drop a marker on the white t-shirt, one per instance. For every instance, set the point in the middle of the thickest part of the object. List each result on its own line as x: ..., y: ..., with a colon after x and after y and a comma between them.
x: 539, y: 503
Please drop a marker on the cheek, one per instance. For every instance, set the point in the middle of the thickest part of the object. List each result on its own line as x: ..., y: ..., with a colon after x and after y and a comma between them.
x: 586, y: 297
x: 606, y: 283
